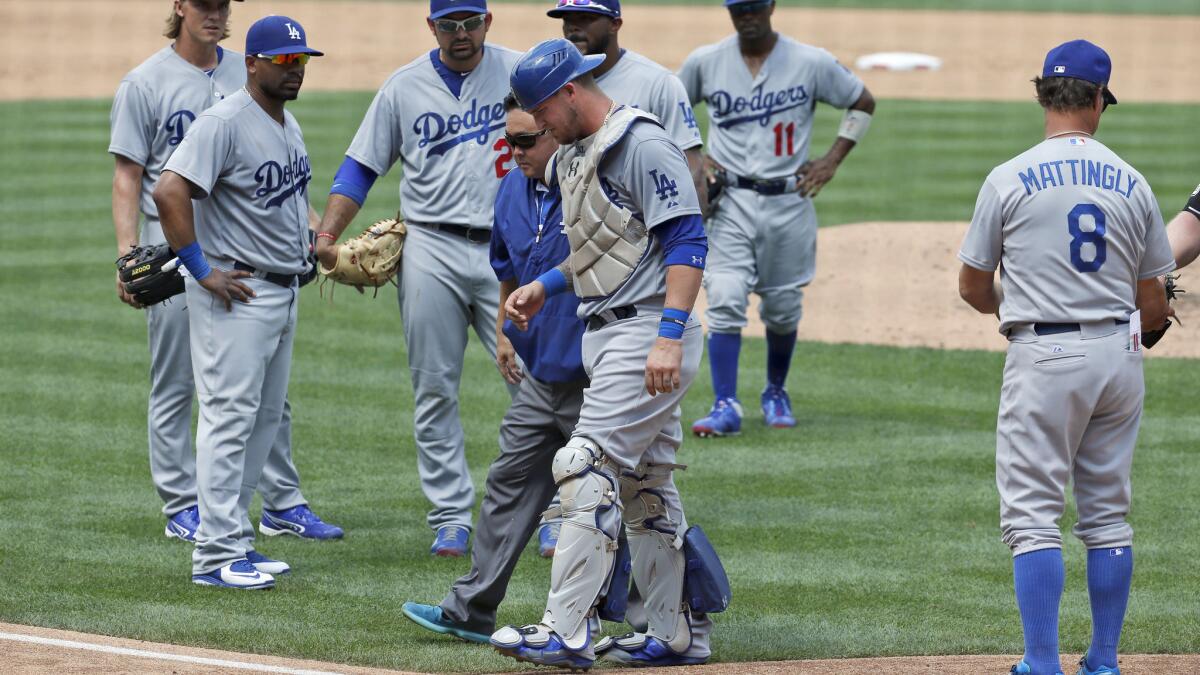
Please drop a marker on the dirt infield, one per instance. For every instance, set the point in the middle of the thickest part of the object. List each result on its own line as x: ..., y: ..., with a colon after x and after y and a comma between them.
x: 60, y: 651
x: 987, y: 55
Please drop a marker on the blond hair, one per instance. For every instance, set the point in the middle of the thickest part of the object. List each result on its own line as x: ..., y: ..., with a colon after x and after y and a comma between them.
x: 175, y: 24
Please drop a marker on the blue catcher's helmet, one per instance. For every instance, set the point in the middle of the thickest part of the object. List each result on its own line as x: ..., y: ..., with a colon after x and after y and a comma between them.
x: 548, y: 67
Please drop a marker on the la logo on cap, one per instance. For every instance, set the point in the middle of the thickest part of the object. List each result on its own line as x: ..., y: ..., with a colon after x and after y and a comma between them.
x: 1060, y: 69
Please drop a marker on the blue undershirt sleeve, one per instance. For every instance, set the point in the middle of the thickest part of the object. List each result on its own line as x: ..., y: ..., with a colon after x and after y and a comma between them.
x: 353, y: 180
x: 683, y: 240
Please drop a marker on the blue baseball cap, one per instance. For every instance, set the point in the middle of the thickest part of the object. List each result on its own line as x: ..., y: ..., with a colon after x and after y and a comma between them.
x: 1081, y: 60
x: 730, y: 3
x: 548, y: 67
x: 440, y: 8
x: 276, y: 34
x: 609, y: 8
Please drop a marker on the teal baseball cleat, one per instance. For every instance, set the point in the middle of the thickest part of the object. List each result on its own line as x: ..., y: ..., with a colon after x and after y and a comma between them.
x: 430, y: 617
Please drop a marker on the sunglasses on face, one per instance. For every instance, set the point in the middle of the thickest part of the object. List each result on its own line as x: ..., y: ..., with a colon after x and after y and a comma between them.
x: 286, y: 59
x: 747, y: 8
x: 584, y: 3
x: 452, y: 26
x: 523, y: 141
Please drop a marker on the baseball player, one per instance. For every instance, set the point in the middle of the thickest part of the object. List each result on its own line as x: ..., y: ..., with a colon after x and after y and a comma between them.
x: 244, y: 243
x: 1080, y: 244
x: 527, y: 241
x: 441, y: 116
x: 1184, y: 231
x: 153, y: 108
x: 632, y: 79
x: 761, y: 89
x: 637, y: 250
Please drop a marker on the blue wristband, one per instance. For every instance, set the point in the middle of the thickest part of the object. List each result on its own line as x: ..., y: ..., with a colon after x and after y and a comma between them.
x: 193, y: 259
x: 672, y: 323
x: 554, y: 281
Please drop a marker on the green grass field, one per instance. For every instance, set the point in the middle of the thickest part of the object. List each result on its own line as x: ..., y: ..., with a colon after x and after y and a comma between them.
x: 870, y: 530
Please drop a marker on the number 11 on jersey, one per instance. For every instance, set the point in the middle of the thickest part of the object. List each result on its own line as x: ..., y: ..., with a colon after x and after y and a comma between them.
x: 790, y: 132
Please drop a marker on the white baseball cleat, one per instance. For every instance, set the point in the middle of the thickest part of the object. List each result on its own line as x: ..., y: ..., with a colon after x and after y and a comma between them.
x: 237, y: 574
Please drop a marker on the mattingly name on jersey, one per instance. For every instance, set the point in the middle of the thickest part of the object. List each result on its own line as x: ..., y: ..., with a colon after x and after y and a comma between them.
x: 1081, y: 172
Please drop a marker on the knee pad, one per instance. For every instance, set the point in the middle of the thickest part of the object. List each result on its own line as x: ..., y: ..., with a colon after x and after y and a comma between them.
x: 585, y: 555
x: 643, y: 507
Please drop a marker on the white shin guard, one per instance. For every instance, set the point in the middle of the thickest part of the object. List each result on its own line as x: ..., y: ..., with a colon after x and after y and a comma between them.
x: 656, y: 553
x: 587, y: 543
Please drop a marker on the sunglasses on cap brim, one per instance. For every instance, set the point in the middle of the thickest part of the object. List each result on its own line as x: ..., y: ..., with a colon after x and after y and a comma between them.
x: 451, y: 26
x: 286, y: 59
x: 523, y: 141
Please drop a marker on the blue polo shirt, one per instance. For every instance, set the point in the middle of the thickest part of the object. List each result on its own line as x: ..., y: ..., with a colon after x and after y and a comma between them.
x: 527, y: 240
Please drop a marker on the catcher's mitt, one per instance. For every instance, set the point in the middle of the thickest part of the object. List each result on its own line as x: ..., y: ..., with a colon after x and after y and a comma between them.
x: 1151, y: 337
x: 150, y: 274
x: 370, y: 259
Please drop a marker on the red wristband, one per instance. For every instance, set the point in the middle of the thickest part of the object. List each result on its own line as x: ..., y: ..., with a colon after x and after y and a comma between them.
x: 327, y: 235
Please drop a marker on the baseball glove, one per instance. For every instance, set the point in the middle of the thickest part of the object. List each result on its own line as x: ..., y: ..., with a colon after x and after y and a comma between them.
x: 150, y: 274
x: 370, y: 259
x: 1151, y: 337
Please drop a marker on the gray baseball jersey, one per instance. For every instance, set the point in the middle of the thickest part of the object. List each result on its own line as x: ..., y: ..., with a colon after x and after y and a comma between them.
x: 761, y: 127
x: 1072, y: 228
x: 154, y: 106
x: 451, y: 147
x: 647, y: 174
x: 152, y: 110
x: 641, y: 83
x: 260, y: 215
x: 1076, y: 227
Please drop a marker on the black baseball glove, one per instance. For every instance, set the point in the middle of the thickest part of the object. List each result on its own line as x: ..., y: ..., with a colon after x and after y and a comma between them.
x: 150, y: 274
x: 1151, y: 337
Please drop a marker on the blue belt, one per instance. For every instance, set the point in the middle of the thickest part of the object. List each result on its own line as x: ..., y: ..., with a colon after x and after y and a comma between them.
x: 602, y: 319
x: 1057, y: 328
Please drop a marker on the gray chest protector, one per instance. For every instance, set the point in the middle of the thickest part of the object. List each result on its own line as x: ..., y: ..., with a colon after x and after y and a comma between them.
x: 607, y: 240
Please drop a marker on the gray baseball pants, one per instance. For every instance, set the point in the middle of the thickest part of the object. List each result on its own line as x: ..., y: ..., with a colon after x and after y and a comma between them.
x: 1070, y: 408
x: 638, y: 431
x: 761, y: 244
x: 446, y: 286
x: 241, y: 360
x: 169, y: 415
x: 519, y: 484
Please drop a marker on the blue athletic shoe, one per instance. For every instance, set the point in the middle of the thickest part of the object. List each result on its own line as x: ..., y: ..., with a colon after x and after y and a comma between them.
x: 431, y: 618
x: 537, y: 644
x: 777, y: 408
x: 183, y: 525
x: 725, y: 419
x: 638, y: 649
x: 1022, y: 668
x: 264, y: 564
x: 450, y: 542
x: 1100, y: 670
x: 237, y: 574
x: 298, y: 521
x: 548, y: 539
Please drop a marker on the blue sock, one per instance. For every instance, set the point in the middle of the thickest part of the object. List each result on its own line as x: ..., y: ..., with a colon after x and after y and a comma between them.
x: 1038, y: 577
x: 779, y: 357
x: 1109, y: 572
x: 723, y: 349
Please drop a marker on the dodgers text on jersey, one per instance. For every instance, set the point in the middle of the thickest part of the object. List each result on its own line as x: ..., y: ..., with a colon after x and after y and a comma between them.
x: 761, y: 105
x: 286, y: 179
x: 478, y: 122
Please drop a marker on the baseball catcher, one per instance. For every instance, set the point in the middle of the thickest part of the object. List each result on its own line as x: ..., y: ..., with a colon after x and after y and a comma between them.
x: 150, y: 274
x: 370, y: 259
